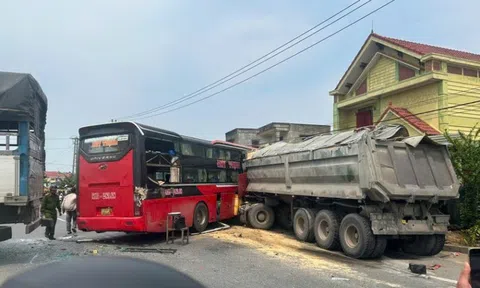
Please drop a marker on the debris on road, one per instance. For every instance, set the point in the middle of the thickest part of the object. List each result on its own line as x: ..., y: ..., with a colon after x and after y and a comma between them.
x: 148, y: 250
x: 434, y: 267
x: 84, y: 240
x: 283, y: 246
x: 223, y: 227
x: 417, y: 268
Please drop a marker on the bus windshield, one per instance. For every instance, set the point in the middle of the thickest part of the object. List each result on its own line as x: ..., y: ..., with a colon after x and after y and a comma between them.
x: 106, y: 144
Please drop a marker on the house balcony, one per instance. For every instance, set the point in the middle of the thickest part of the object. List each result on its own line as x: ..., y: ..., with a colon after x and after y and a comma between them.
x: 372, y: 96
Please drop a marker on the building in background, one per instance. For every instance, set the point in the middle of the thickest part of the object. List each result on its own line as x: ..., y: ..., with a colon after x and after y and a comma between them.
x: 427, y: 89
x: 274, y: 132
x: 55, y: 177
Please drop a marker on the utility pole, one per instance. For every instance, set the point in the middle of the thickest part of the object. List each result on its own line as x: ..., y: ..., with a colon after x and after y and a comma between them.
x: 75, y: 155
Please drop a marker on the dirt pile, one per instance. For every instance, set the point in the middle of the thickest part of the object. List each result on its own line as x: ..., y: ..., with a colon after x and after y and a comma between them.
x: 279, y: 244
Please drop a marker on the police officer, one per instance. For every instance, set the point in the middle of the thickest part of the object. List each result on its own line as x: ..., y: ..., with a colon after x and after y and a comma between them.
x: 50, y: 205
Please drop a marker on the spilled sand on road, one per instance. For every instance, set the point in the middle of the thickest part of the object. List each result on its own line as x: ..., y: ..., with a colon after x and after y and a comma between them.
x: 280, y: 245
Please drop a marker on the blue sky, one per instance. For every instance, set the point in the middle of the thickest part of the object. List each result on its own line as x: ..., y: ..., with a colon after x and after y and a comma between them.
x: 98, y: 60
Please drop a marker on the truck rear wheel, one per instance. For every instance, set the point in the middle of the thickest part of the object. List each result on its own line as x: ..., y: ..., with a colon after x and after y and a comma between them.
x: 380, y: 246
x: 439, y: 243
x: 303, y: 224
x: 424, y: 245
x: 261, y: 216
x: 200, y: 217
x: 356, y: 236
x: 326, y: 230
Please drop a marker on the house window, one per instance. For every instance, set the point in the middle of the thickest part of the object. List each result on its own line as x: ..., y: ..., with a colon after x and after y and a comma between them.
x: 364, y: 118
x: 454, y: 70
x: 428, y: 65
x: 404, y: 72
x: 469, y: 72
x: 437, y: 66
x: 362, y: 89
x: 255, y: 143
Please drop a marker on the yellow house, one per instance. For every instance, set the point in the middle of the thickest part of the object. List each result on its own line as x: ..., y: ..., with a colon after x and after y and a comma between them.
x: 427, y: 89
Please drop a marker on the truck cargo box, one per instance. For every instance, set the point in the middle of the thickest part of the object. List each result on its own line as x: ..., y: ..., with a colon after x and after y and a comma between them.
x: 380, y: 164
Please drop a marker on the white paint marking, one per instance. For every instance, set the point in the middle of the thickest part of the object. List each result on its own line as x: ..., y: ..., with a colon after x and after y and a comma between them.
x: 444, y: 279
x: 31, y: 261
x: 339, y: 279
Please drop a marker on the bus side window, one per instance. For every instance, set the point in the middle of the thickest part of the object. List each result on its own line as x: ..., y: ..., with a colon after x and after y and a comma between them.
x: 209, y: 153
x: 232, y: 176
x: 221, y: 154
x: 187, y: 149
x: 217, y: 176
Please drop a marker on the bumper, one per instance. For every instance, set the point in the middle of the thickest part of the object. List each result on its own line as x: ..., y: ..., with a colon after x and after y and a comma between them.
x: 129, y: 224
x: 386, y: 224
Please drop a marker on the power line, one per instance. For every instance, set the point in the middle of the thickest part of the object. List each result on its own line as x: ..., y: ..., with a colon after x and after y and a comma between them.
x: 272, y: 66
x: 236, y: 73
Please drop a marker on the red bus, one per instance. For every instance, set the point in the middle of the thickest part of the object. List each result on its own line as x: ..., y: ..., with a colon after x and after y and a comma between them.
x: 130, y: 176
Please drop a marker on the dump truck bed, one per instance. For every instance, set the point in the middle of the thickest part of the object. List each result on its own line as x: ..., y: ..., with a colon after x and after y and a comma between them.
x: 380, y: 164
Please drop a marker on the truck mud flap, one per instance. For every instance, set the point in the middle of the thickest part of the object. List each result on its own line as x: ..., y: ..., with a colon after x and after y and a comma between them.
x: 5, y: 233
x: 32, y: 226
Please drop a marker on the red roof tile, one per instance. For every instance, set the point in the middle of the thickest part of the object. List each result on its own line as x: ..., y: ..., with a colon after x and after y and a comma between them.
x: 424, y: 49
x: 412, y: 119
x: 56, y: 174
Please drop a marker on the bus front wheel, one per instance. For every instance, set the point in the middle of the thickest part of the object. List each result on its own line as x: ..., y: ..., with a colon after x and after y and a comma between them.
x: 200, y: 217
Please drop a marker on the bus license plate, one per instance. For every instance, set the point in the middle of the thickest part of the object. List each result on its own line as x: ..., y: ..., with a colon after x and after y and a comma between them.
x: 106, y: 211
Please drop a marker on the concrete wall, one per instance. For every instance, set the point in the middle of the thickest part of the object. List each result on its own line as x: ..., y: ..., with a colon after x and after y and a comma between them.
x: 298, y: 130
x: 242, y: 136
x: 274, y: 132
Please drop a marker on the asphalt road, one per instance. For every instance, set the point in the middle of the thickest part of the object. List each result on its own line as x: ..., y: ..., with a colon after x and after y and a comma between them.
x: 217, y: 261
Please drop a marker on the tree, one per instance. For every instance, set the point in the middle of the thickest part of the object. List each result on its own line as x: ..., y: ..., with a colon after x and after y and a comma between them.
x: 465, y: 156
x: 69, y: 180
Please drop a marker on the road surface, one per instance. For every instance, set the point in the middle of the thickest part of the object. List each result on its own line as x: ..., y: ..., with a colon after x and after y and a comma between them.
x: 237, y: 257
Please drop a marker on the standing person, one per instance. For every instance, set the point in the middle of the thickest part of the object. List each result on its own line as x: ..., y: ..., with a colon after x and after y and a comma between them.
x: 50, y: 205
x: 69, y: 206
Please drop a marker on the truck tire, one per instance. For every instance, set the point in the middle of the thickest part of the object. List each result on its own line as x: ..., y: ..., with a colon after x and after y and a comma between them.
x: 356, y: 236
x: 439, y: 243
x: 261, y: 216
x: 200, y: 217
x: 326, y: 230
x: 303, y: 224
x: 421, y: 245
x: 283, y: 216
x: 379, y: 249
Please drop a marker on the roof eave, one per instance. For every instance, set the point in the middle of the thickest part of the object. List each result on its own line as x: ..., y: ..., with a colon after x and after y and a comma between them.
x: 446, y: 58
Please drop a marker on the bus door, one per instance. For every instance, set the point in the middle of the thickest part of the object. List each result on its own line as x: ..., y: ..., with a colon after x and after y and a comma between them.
x: 106, y: 186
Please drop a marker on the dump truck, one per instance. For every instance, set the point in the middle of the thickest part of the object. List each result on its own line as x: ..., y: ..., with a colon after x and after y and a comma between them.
x: 23, y: 112
x: 353, y: 191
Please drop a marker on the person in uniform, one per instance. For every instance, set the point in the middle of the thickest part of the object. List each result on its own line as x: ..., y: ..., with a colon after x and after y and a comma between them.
x: 50, y: 205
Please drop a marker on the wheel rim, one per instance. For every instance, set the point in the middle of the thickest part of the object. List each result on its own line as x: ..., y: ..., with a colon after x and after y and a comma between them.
x: 351, y: 236
x: 261, y: 216
x: 323, y: 229
x: 300, y: 225
x: 201, y: 219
